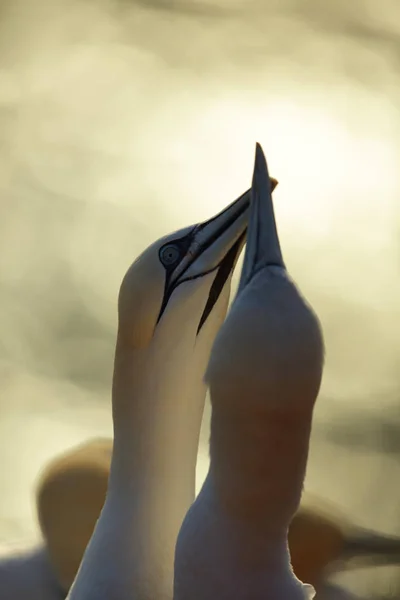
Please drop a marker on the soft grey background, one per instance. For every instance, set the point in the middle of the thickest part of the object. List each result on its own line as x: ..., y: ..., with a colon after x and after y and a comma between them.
x: 120, y: 121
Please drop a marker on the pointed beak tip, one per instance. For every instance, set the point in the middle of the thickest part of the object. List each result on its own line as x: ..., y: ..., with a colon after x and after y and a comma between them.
x: 260, y: 156
x: 260, y: 165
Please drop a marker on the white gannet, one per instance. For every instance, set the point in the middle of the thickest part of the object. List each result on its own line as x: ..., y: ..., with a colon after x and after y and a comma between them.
x: 264, y: 376
x: 172, y: 301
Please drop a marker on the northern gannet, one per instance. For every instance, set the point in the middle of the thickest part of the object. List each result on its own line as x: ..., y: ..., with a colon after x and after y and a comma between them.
x: 264, y: 376
x: 172, y: 301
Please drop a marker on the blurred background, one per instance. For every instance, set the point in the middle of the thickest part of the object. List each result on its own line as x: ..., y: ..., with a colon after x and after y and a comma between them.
x: 121, y: 120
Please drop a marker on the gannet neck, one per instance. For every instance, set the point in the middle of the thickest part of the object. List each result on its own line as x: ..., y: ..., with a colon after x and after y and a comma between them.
x: 259, y: 466
x: 158, y: 402
x: 152, y: 477
x: 261, y: 423
x: 165, y: 410
x: 262, y: 409
x: 218, y: 553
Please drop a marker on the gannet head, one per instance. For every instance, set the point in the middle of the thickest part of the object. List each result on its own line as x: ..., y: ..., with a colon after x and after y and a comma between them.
x: 271, y: 331
x: 172, y: 301
x: 191, y: 266
x: 70, y: 495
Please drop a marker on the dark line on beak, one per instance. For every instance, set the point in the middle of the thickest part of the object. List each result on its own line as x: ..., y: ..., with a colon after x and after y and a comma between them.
x: 224, y: 271
x: 209, y: 242
x: 228, y: 208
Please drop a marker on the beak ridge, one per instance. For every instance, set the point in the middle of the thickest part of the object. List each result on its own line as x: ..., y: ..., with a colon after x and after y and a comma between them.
x: 263, y: 247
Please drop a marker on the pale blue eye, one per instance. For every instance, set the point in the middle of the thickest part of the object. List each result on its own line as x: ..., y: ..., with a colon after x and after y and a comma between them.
x: 169, y: 255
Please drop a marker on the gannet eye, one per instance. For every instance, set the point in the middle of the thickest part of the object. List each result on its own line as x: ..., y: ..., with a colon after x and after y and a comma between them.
x: 170, y: 255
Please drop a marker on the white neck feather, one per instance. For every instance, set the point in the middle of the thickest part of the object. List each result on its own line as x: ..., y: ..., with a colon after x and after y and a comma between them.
x: 264, y: 373
x: 236, y: 560
x: 158, y: 402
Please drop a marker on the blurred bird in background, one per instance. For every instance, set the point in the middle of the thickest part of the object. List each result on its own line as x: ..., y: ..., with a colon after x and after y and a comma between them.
x: 70, y: 495
x: 71, y: 492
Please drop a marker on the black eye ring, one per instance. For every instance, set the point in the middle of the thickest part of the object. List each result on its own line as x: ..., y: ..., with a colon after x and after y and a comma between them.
x: 170, y: 255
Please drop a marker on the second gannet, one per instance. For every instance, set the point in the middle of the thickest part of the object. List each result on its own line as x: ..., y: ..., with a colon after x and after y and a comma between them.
x: 264, y: 375
x: 172, y: 302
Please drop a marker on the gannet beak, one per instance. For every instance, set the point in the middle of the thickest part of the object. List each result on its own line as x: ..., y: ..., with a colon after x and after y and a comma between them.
x: 209, y: 231
x: 263, y: 247
x: 213, y: 245
x: 214, y: 238
x: 371, y: 548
